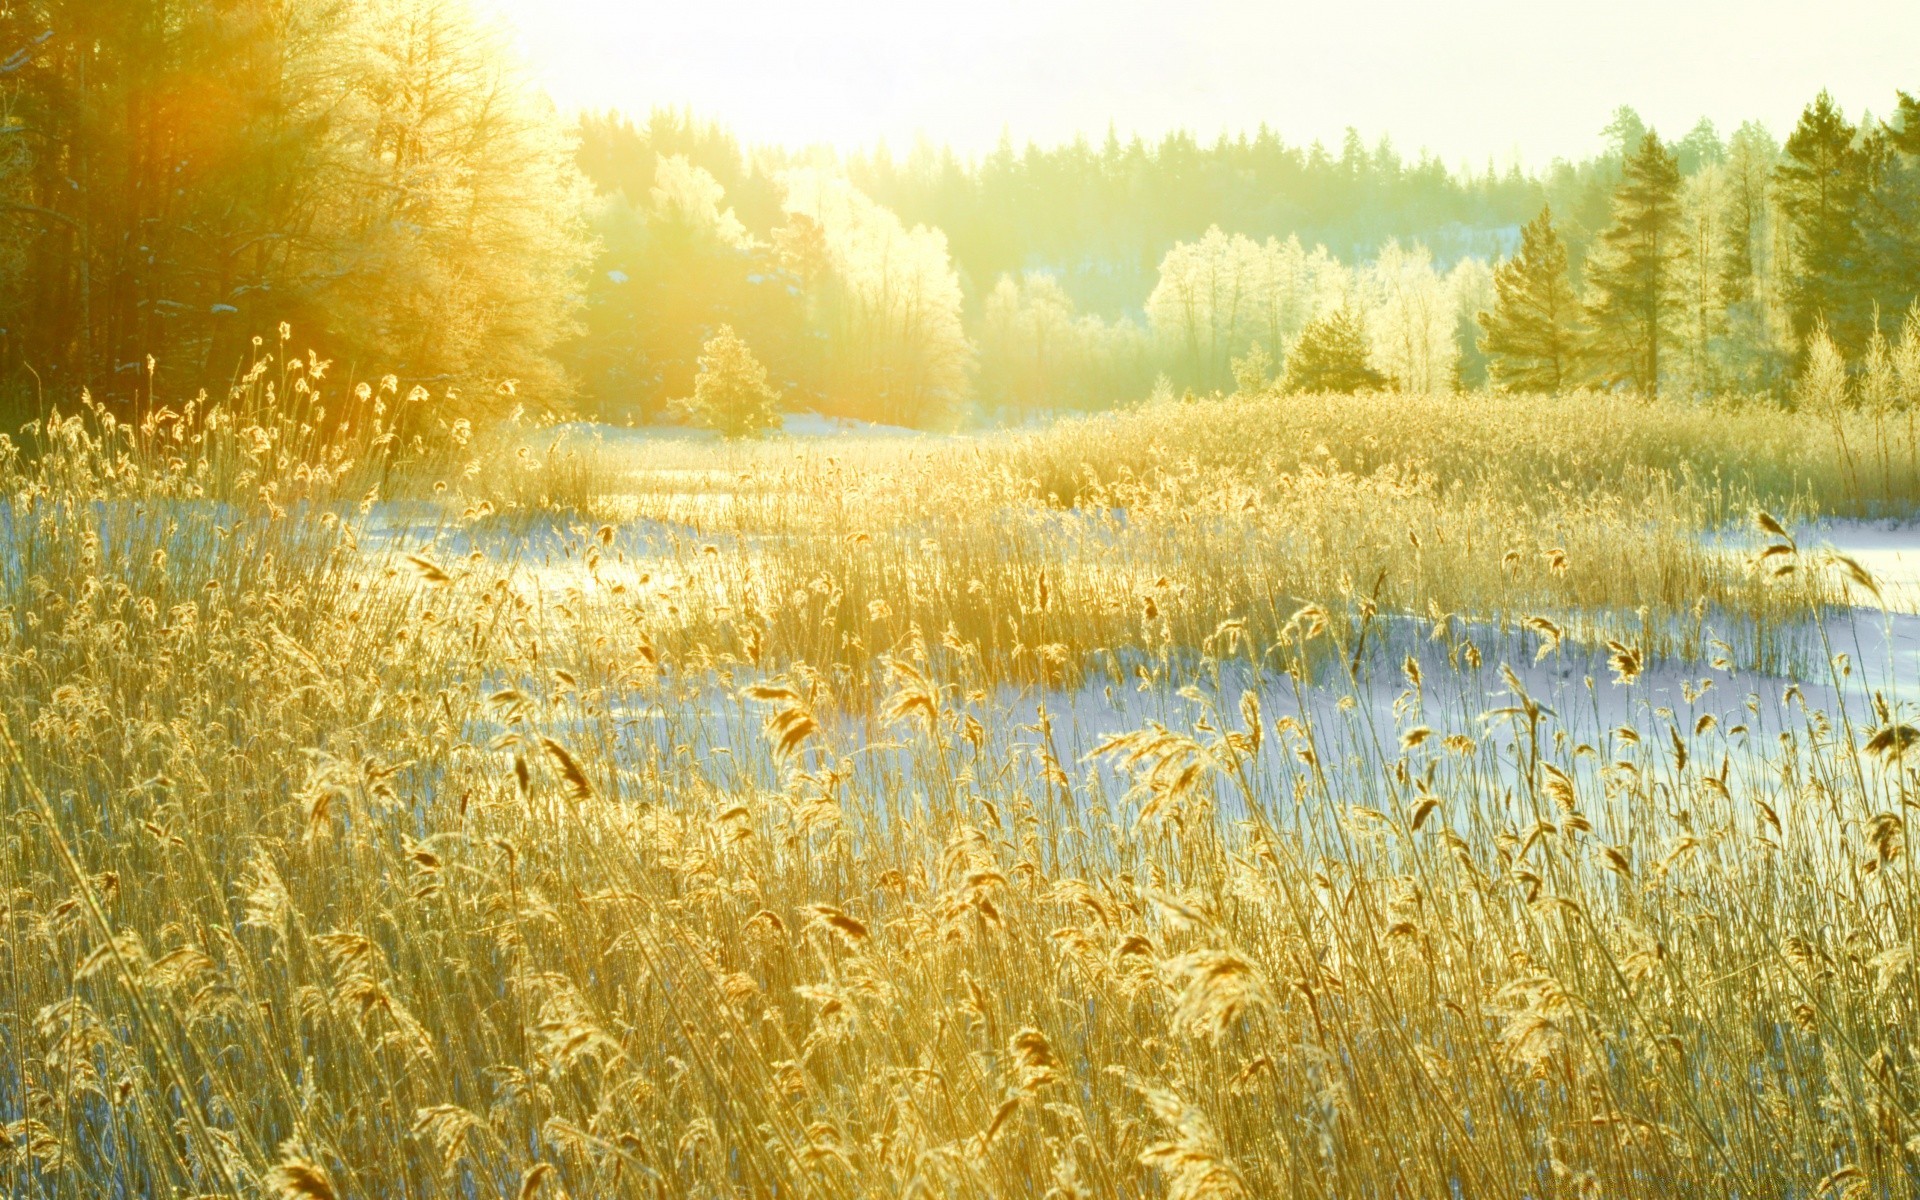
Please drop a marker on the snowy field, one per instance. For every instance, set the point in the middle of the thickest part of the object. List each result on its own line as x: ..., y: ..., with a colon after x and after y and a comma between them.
x: 1351, y: 709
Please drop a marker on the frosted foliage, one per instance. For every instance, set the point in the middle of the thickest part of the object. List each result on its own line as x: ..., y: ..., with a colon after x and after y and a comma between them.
x: 1470, y: 283
x: 1036, y: 351
x: 689, y: 194
x: 1411, y: 319
x: 892, y: 305
x: 1217, y: 296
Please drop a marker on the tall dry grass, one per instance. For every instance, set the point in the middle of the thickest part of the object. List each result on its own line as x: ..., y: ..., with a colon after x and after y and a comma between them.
x: 1133, y: 537
x: 353, y: 854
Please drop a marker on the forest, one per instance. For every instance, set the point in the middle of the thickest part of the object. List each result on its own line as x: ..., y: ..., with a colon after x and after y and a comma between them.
x: 178, y: 178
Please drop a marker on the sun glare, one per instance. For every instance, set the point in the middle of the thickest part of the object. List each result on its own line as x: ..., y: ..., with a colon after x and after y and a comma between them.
x: 1466, y: 80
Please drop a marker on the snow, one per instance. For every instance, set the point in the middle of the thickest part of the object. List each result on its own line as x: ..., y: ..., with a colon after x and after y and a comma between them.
x: 1356, y: 723
x: 1834, y: 668
x: 1889, y: 550
x: 804, y: 425
x: 811, y: 424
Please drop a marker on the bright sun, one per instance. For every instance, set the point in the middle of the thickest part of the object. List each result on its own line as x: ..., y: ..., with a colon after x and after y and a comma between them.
x: 1468, y: 80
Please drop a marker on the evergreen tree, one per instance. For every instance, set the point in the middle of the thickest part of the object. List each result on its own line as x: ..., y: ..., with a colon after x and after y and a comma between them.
x: 1252, y: 370
x: 1332, y: 355
x: 1631, y: 272
x: 1626, y: 130
x: 1701, y: 147
x: 731, y: 395
x: 1532, y: 336
x: 1891, y: 229
x: 1821, y: 183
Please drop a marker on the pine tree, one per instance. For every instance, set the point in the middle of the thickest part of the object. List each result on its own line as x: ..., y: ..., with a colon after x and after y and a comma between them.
x: 1332, y: 356
x: 1532, y: 336
x: 1891, y: 229
x: 731, y: 395
x: 1701, y: 147
x: 1626, y: 130
x: 1632, y: 270
x: 1822, y: 182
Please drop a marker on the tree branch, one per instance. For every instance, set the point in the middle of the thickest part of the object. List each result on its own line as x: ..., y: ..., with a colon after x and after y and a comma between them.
x: 36, y: 210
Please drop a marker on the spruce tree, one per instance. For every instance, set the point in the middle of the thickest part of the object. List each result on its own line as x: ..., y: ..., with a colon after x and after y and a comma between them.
x: 1531, y: 336
x: 1631, y: 271
x: 1332, y: 356
x: 1821, y: 183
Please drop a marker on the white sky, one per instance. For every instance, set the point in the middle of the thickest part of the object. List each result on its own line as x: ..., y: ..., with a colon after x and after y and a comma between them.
x: 1464, y: 78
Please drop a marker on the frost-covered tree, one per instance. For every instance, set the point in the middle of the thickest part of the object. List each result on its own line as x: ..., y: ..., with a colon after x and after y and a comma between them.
x: 451, y: 240
x: 686, y: 200
x: 1204, y: 303
x: 1470, y: 284
x: 1037, y: 352
x: 1295, y: 285
x: 731, y: 395
x: 888, y: 301
x: 1410, y: 320
x: 178, y: 177
x: 1027, y: 338
x: 1218, y: 295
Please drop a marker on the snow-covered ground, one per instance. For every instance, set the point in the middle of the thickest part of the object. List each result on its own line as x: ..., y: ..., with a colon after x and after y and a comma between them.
x: 807, y: 425
x: 1359, y: 721
x: 1889, y: 550
x: 1357, y: 716
x: 1859, y: 651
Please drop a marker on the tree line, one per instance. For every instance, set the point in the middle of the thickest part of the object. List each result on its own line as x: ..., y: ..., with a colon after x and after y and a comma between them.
x: 1694, y: 267
x: 1725, y: 278
x: 178, y: 177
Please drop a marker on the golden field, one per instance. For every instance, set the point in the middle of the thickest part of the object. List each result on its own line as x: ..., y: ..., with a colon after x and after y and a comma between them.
x: 1260, y: 796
